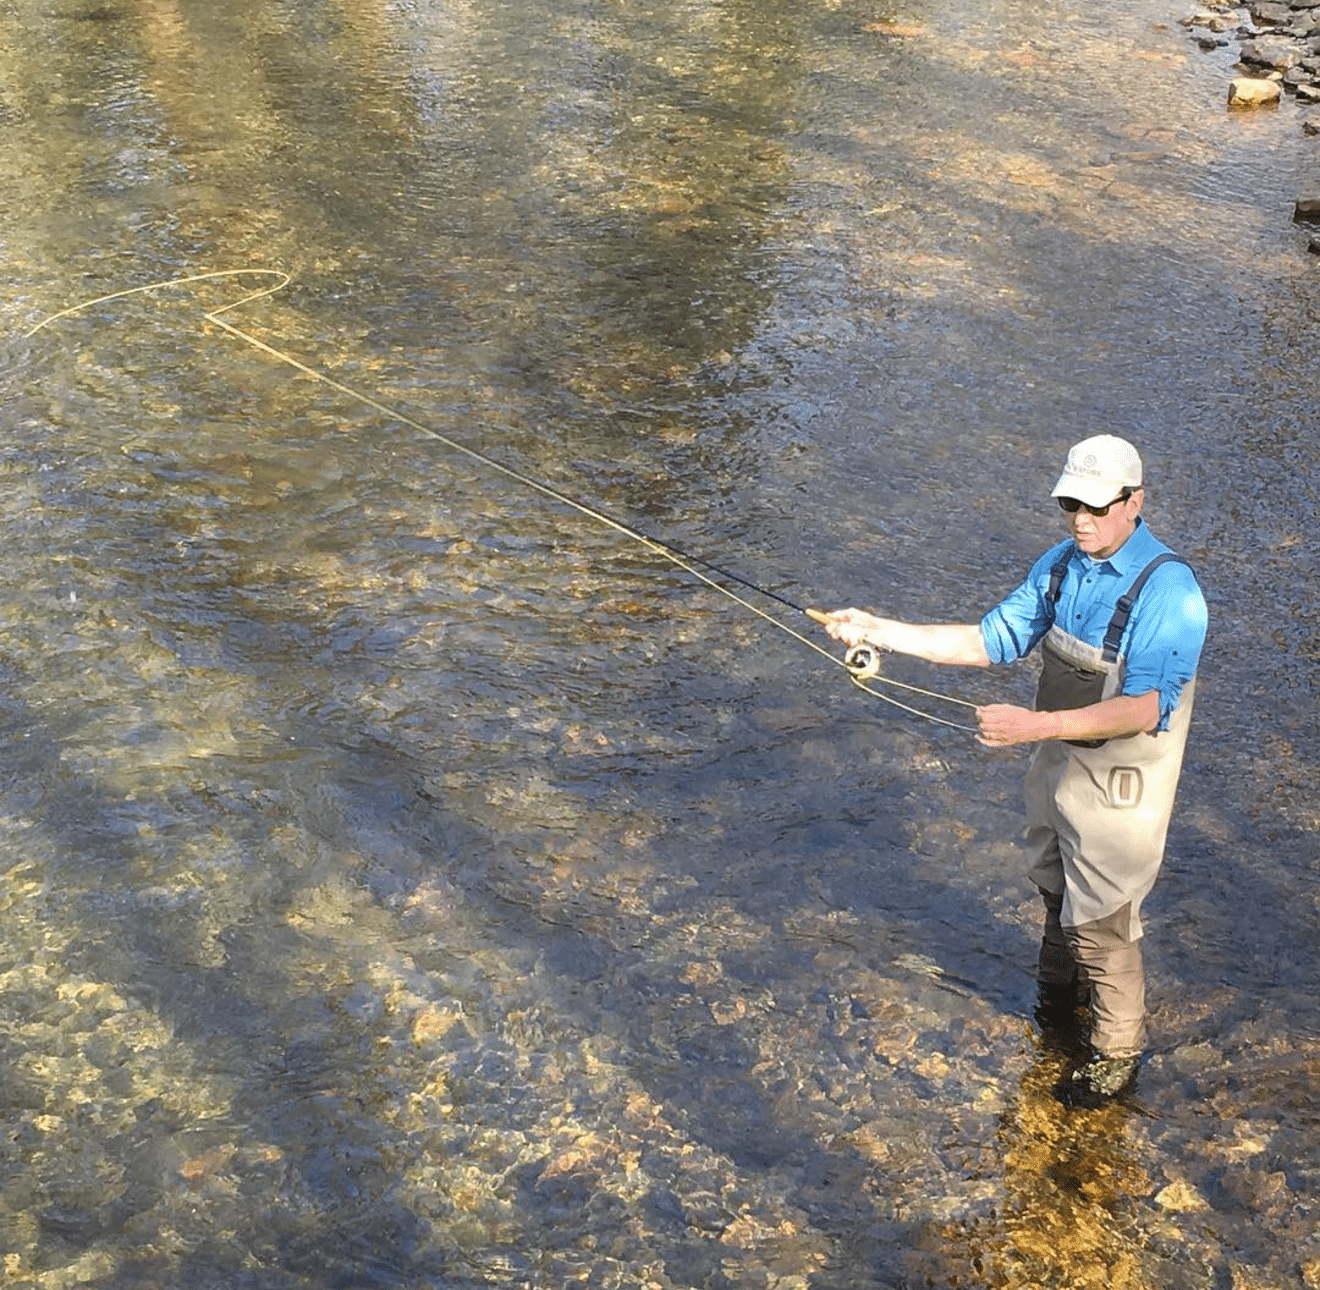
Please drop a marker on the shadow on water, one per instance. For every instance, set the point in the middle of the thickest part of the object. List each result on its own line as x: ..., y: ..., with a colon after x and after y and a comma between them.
x: 767, y: 1052
x: 686, y: 1023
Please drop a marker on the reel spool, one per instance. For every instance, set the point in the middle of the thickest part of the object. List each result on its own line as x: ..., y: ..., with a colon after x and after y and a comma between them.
x: 863, y: 661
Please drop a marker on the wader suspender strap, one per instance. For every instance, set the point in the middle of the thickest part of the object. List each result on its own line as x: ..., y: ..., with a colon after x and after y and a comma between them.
x: 1122, y: 611
x: 1055, y: 589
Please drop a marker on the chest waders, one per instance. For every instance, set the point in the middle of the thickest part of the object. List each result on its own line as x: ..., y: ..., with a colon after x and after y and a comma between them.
x: 1097, y: 817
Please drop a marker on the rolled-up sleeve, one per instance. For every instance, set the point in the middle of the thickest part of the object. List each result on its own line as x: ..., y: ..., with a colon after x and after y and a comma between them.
x: 1167, y: 635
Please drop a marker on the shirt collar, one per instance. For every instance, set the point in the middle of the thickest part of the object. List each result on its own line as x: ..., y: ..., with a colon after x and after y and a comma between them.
x: 1132, y: 556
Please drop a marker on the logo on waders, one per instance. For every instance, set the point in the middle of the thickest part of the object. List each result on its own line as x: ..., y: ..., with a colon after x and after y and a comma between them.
x: 1124, y: 786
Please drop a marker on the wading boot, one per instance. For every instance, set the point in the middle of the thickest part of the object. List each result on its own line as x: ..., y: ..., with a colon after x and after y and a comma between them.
x: 1099, y: 1081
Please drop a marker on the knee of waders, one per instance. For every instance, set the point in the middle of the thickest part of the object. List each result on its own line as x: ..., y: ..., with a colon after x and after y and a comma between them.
x: 1106, y: 942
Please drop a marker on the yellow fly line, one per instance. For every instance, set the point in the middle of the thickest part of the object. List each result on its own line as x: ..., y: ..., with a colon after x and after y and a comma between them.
x: 861, y: 677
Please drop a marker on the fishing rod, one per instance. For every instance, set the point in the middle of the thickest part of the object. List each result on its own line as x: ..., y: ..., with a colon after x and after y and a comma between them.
x: 862, y: 662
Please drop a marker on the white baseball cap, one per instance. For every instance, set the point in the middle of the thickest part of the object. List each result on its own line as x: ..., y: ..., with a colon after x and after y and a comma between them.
x: 1099, y: 469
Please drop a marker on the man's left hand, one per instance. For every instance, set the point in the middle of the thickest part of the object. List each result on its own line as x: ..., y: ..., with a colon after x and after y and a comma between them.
x: 1002, y: 725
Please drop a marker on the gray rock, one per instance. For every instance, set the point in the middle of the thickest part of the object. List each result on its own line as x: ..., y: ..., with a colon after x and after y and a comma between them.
x: 1307, y: 208
x: 1272, y: 51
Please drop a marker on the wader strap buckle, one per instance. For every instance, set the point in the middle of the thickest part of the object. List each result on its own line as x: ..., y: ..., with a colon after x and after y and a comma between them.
x: 1123, y: 611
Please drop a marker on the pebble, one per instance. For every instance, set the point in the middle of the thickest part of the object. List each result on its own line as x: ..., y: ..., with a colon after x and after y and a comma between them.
x: 1192, y: 1059
x: 1181, y: 1198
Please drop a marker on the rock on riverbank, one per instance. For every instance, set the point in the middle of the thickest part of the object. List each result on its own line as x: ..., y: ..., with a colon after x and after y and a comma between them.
x: 1279, y: 40
x: 1279, y: 48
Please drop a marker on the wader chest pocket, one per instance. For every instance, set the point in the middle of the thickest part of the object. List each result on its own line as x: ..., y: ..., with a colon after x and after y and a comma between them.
x: 1124, y: 788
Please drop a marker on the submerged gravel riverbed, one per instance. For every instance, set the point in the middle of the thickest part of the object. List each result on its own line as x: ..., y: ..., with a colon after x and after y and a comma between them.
x: 408, y: 882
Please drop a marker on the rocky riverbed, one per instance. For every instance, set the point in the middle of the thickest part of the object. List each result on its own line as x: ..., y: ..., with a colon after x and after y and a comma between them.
x: 1278, y: 41
x: 1279, y: 55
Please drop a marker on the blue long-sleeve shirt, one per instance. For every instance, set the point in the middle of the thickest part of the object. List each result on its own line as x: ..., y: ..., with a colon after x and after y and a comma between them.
x: 1162, y: 644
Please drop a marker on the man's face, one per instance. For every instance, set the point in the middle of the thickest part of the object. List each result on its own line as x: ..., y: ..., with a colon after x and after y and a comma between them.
x: 1099, y: 536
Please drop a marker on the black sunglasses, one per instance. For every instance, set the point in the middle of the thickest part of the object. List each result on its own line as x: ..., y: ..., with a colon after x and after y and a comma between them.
x: 1072, y: 505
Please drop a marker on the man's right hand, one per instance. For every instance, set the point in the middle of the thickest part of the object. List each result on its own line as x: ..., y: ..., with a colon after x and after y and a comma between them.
x: 851, y: 627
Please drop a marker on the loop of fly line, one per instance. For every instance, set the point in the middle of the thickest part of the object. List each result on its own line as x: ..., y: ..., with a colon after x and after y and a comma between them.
x: 862, y: 662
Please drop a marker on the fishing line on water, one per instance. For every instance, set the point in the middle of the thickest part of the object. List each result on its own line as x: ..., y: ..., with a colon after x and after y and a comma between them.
x: 860, y: 671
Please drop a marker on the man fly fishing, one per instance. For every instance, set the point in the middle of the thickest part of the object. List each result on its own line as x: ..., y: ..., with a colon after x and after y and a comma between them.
x: 1120, y: 622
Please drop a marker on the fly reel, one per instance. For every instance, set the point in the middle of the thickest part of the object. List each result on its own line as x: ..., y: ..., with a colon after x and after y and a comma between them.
x: 863, y: 662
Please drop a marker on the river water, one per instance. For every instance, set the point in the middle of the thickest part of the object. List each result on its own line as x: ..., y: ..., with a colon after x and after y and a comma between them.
x: 411, y: 880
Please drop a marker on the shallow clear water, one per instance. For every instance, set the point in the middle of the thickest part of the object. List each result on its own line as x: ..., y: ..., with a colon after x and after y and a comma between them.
x: 410, y: 880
